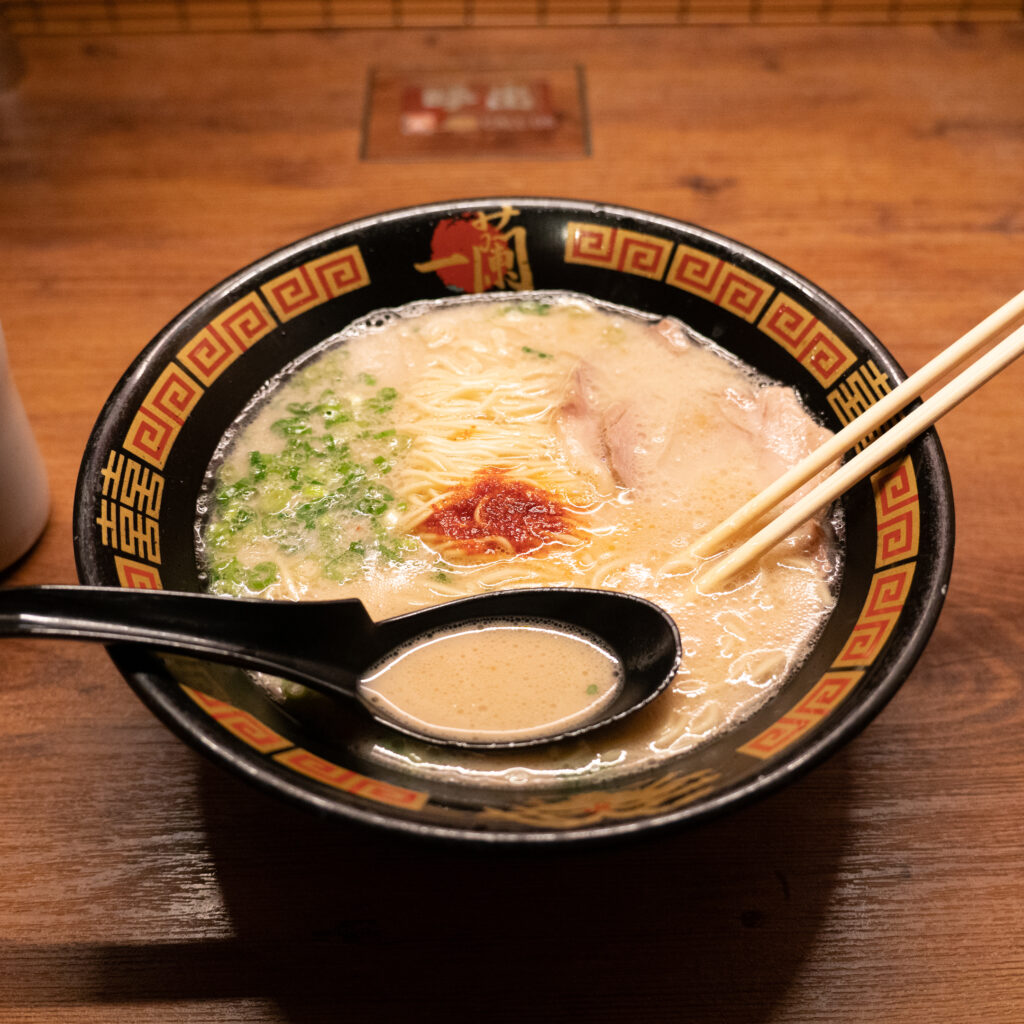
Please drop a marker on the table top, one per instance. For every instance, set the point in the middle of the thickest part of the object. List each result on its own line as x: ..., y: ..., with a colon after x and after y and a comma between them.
x: 141, y: 883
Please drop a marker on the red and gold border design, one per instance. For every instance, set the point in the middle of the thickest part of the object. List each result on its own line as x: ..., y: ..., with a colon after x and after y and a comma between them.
x: 248, y: 728
x: 207, y: 355
x: 898, y: 512
x: 822, y: 699
x: 334, y: 775
x: 886, y: 598
x: 579, y: 810
x: 808, y: 340
x: 131, y: 493
x: 161, y: 416
x: 258, y: 735
x: 694, y: 271
x: 718, y: 281
x: 316, y: 282
x: 137, y: 575
x: 610, y: 248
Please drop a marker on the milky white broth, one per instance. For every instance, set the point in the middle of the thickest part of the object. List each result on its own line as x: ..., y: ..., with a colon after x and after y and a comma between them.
x: 446, y: 449
x: 495, y: 681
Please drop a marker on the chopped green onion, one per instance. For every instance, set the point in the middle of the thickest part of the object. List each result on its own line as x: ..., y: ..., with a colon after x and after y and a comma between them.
x: 537, y: 352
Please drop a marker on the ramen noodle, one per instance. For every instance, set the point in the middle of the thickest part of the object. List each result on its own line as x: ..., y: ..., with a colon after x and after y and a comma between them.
x: 446, y: 449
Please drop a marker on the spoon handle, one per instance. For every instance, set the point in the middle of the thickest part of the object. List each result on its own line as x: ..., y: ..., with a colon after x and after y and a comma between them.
x: 325, y: 644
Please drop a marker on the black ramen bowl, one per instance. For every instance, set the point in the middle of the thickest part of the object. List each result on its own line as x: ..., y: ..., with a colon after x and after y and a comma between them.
x: 144, y: 467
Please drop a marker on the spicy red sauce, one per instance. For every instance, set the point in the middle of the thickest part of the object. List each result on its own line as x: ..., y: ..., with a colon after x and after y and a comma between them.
x: 491, y: 513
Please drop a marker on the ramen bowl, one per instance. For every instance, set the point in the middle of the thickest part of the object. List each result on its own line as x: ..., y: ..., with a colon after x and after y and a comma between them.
x: 143, y: 473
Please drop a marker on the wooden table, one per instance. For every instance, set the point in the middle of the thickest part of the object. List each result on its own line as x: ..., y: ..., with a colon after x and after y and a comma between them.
x: 140, y: 883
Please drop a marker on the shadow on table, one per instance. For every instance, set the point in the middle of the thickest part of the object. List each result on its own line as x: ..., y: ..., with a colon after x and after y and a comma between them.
x: 347, y: 923
x: 341, y: 923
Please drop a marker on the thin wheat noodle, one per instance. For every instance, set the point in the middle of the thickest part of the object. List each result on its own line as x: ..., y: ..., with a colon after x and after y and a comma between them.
x: 543, y: 395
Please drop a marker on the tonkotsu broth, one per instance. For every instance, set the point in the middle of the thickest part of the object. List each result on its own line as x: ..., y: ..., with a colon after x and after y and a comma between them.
x: 495, y: 681
x: 445, y: 449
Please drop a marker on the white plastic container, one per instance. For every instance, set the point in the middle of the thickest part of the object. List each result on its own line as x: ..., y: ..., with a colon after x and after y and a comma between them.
x: 24, y: 493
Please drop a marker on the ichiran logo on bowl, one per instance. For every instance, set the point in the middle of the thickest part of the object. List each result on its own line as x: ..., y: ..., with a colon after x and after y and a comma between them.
x: 474, y: 252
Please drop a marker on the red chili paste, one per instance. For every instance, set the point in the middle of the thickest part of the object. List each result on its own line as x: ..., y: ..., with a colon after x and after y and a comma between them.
x: 492, y: 513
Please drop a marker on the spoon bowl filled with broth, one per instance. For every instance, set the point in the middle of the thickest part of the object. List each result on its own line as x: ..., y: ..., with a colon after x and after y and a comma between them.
x: 545, y: 395
x: 501, y: 670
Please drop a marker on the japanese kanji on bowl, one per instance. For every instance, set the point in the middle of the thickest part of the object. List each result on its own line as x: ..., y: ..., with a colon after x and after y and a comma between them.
x: 145, y: 463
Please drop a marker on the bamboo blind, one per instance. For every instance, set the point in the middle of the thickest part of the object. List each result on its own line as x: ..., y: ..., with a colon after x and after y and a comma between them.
x: 82, y: 17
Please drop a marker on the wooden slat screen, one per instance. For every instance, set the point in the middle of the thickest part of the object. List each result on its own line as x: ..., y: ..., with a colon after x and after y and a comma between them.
x: 82, y: 17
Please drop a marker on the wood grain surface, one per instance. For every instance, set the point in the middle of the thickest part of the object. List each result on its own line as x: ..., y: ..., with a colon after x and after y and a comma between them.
x: 141, y: 884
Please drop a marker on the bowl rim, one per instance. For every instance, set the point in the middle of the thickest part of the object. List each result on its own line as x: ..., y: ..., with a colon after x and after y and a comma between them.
x: 204, y: 735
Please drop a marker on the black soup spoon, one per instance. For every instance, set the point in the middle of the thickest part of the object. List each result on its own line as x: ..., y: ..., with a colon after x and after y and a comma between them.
x: 330, y: 645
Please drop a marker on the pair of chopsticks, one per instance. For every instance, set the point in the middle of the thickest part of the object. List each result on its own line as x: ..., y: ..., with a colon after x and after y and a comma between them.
x: 872, y: 456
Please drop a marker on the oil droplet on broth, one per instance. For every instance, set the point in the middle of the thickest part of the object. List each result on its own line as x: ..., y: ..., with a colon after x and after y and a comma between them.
x: 494, y: 681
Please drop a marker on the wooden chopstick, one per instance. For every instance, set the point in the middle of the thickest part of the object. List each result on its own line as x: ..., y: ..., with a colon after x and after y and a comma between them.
x: 852, y: 472
x: 887, y: 407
